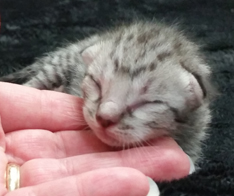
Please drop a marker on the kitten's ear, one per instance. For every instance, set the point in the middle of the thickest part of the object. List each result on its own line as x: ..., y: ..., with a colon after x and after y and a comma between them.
x: 196, y: 91
x: 89, y: 54
x: 201, y: 89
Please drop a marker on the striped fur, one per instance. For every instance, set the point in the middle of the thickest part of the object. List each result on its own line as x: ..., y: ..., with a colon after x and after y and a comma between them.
x: 138, y: 81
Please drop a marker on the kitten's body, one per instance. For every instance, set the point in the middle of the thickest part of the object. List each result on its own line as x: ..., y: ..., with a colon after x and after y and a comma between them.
x: 139, y: 82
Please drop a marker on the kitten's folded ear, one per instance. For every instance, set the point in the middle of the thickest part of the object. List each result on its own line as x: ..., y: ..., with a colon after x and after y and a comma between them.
x: 201, y: 90
x: 196, y: 93
x: 89, y: 54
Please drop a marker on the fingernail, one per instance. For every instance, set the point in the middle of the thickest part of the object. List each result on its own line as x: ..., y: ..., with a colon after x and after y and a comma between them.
x: 154, y: 191
x: 192, y: 167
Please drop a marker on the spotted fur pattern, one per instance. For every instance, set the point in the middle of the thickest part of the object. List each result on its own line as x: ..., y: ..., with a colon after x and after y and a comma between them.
x: 138, y: 81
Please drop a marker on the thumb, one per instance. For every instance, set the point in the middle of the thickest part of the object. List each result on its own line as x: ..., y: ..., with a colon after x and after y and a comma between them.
x: 3, y: 161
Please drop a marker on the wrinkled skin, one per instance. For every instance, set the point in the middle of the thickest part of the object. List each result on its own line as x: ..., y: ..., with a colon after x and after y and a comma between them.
x: 40, y: 132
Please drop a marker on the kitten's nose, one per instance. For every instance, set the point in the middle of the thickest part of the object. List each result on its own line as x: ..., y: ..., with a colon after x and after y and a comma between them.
x: 108, y: 114
x: 105, y: 123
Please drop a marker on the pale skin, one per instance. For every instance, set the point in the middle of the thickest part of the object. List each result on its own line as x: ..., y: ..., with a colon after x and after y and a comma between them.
x: 45, y: 133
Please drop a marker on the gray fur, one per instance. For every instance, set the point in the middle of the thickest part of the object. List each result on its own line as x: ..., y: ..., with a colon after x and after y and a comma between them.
x: 138, y: 82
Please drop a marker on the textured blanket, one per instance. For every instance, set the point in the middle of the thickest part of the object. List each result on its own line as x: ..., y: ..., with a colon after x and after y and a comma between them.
x: 31, y: 28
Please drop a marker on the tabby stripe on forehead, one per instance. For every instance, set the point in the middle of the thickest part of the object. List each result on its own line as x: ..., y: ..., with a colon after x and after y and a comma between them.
x: 177, y: 46
x: 142, y: 38
x: 116, y: 63
x: 152, y: 66
x: 130, y: 37
x: 142, y: 54
x: 198, y: 78
x: 162, y: 56
x: 138, y: 71
x: 124, y: 70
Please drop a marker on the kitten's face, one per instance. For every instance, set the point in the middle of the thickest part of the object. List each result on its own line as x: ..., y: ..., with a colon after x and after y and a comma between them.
x: 126, y: 103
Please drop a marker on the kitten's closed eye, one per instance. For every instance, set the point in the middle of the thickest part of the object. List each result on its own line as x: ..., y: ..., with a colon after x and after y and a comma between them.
x: 133, y: 107
x: 97, y: 83
x: 91, y: 88
x: 127, y: 68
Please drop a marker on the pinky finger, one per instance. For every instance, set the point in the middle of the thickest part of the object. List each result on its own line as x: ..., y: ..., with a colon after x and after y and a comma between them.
x: 101, y: 182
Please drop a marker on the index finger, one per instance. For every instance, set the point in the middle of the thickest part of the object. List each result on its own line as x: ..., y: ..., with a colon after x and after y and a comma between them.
x: 27, y: 108
x: 102, y: 182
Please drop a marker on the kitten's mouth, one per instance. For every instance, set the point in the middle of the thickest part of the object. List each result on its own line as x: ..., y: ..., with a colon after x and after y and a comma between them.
x: 115, y: 138
x: 112, y: 138
x: 110, y: 135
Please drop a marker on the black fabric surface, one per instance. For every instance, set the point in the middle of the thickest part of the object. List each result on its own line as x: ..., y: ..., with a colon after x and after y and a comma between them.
x: 33, y: 27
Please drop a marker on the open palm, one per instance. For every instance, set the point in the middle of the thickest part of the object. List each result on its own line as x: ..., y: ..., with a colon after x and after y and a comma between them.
x: 46, y: 134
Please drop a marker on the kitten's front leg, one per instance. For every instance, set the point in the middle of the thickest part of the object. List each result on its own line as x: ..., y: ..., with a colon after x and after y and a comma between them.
x: 35, y: 83
x: 48, y: 78
x: 43, y: 76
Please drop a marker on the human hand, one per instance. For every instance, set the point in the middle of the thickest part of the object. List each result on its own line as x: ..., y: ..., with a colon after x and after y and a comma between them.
x: 41, y: 136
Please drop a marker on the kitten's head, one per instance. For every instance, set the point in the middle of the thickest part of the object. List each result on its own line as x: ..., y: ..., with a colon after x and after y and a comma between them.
x: 131, y: 96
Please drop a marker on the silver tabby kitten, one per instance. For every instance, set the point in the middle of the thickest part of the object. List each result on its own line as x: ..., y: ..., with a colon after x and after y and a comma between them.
x: 138, y: 82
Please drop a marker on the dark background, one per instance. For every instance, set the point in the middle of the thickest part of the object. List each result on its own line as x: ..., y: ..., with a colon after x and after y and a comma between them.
x: 30, y: 28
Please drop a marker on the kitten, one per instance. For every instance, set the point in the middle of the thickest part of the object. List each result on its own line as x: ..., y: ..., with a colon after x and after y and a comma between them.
x: 138, y: 81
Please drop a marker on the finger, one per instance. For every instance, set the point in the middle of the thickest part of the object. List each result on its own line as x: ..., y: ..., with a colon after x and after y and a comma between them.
x: 3, y: 163
x: 2, y: 137
x: 45, y: 144
x: 102, y: 182
x: 165, y: 161
x: 28, y: 108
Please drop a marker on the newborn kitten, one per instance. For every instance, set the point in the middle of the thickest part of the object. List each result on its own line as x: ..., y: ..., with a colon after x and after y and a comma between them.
x: 139, y: 82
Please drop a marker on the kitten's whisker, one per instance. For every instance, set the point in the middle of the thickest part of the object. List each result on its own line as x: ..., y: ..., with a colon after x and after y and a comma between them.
x: 147, y: 142
x: 141, y: 70
x: 149, y: 154
x: 76, y: 119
